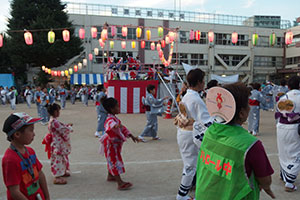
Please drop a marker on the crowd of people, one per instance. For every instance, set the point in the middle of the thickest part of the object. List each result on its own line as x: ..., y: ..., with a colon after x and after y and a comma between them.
x: 221, y: 159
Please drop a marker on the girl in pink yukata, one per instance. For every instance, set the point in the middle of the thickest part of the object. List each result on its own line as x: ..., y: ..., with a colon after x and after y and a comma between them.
x: 60, y: 146
x: 112, y: 141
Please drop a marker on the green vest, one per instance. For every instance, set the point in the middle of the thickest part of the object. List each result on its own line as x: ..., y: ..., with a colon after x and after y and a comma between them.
x: 221, y: 172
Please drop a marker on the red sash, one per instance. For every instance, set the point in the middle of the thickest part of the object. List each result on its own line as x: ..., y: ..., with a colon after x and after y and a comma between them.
x: 253, y: 102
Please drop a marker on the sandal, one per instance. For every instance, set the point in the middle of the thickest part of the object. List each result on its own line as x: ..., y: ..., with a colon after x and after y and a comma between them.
x: 156, y: 138
x: 288, y: 189
x: 142, y: 139
x: 125, y: 186
x: 67, y: 174
x: 60, y: 181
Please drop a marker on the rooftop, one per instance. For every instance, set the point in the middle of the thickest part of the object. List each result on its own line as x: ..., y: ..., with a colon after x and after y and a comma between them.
x: 176, y: 15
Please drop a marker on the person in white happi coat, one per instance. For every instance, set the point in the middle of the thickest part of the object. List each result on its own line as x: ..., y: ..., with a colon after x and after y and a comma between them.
x: 3, y: 95
x: 11, y: 95
x: 28, y: 96
x: 63, y: 93
x: 196, y: 109
x: 288, y: 134
x: 256, y: 102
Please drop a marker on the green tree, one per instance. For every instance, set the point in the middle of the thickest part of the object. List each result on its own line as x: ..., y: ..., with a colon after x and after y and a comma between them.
x: 36, y: 15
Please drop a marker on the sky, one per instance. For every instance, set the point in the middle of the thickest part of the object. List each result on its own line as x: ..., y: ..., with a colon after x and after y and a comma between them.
x: 288, y: 11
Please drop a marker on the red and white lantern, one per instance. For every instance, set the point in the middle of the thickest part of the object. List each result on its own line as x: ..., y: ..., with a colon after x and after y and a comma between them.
x: 66, y: 35
x: 90, y: 56
x: 167, y: 40
x: 163, y: 43
x: 289, y: 37
x: 58, y: 73
x: 1, y: 40
x: 198, y: 35
x: 28, y: 38
x: 160, y: 53
x: 101, y: 43
x: 96, y: 51
x: 152, y: 46
x: 81, y: 33
x: 234, y: 37
x: 192, y: 34
x: 123, y: 44
x: 143, y: 44
x: 55, y: 73
x: 113, y: 30
x: 211, y: 36
x: 124, y: 31
x: 171, y: 36
x: 158, y: 47
x: 75, y: 68
x: 104, y: 35
x: 84, y: 62
x: 94, y: 32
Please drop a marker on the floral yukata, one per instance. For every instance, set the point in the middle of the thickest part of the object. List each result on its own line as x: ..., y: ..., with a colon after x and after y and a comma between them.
x: 111, y: 144
x: 60, y: 147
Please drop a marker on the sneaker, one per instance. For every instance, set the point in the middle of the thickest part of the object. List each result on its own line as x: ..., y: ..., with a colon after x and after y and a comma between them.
x: 142, y: 139
x: 97, y: 134
x: 254, y: 133
x: 187, y: 197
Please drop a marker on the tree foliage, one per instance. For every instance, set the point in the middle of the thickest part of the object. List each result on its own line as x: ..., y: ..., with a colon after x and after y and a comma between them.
x: 35, y: 15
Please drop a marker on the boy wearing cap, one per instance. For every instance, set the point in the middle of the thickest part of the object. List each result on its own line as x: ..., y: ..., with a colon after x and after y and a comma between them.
x: 22, y: 171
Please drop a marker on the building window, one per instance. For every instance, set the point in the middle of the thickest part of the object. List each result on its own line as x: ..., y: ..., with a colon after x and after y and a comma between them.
x: 137, y: 12
x: 160, y: 14
x: 293, y: 60
x: 114, y: 11
x: 183, y: 36
x: 171, y: 15
x: 99, y: 58
x: 131, y: 35
x: 147, y: 45
x: 181, y: 16
x: 149, y: 13
x: 267, y: 61
x: 231, y: 60
x: 99, y: 29
x: 126, y: 11
x: 183, y: 58
x: 119, y: 33
x: 198, y: 59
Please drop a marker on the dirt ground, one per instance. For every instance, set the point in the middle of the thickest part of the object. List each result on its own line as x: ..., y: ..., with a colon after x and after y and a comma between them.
x: 154, y: 167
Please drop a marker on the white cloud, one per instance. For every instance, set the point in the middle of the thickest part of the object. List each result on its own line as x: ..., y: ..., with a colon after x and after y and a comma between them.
x: 248, y: 3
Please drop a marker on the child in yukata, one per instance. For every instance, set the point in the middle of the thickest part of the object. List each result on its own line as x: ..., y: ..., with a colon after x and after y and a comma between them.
x: 112, y: 141
x: 101, y: 112
x: 58, y: 145
x: 154, y: 107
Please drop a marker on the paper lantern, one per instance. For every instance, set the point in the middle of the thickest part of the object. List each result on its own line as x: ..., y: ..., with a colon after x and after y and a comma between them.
x: 197, y: 35
x: 75, y: 68
x: 171, y: 36
x: 192, y: 34
x: 148, y: 35
x: 167, y: 40
x: 96, y: 51
x: 79, y: 65
x: 272, y: 39
x: 111, y: 44
x: 101, y: 43
x: 84, y: 62
x: 133, y: 44
x: 55, y: 73
x: 66, y: 35
x: 163, y: 43
x: 52, y: 73
x: 143, y: 44
x: 104, y: 35
x: 51, y: 37
x: 138, y: 32
x: 62, y: 73
x: 81, y: 33
x: 94, y: 32
x: 158, y: 47
x: 152, y: 46
x: 66, y: 72
x: 124, y: 31
x: 160, y: 32
x: 70, y: 71
x: 289, y: 37
x: 90, y: 56
x: 49, y: 71
x: 211, y: 36
x: 234, y: 37
x: 46, y: 70
x: 160, y: 53
x: 254, y: 39
x: 113, y: 30
x: 123, y: 45
x: 1, y: 40
x: 28, y: 38
x: 43, y: 67
x: 58, y: 73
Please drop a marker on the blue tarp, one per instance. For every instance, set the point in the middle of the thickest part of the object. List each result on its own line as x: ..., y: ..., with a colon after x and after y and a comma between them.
x: 7, y: 80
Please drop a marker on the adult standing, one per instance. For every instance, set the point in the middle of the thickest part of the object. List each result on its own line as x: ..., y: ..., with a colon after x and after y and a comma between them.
x: 73, y: 95
x: 63, y: 96
x: 28, y: 96
x: 196, y: 109
x: 288, y: 137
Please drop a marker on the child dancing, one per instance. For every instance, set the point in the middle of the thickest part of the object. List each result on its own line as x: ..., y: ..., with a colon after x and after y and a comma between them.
x: 112, y: 141
x: 58, y: 145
